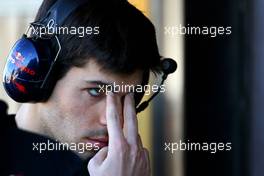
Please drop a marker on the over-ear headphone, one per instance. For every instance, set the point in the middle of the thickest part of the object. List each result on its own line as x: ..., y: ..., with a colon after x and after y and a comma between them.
x: 32, y: 59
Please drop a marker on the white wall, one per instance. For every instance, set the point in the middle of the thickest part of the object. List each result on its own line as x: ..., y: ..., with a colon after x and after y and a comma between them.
x: 164, y: 14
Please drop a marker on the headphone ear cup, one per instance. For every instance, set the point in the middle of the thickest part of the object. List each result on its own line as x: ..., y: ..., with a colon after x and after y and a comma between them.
x: 26, y: 68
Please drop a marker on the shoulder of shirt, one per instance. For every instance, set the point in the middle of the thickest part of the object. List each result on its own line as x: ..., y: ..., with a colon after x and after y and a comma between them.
x: 19, y: 146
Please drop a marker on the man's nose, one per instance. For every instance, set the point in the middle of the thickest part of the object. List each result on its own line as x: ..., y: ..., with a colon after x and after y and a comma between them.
x: 102, y: 114
x: 102, y: 119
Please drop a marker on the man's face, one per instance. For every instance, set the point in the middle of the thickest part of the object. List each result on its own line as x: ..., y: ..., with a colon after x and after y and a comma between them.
x: 75, y: 112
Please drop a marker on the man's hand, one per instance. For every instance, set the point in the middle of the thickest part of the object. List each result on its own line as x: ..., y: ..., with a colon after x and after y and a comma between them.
x: 125, y: 155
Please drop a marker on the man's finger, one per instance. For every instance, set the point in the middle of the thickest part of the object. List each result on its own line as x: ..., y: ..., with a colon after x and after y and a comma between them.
x: 140, y: 144
x: 113, y: 117
x: 130, y: 120
x: 98, y: 158
x: 146, y: 153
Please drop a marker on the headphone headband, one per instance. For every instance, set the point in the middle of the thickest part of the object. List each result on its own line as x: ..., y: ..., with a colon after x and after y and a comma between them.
x: 60, y: 10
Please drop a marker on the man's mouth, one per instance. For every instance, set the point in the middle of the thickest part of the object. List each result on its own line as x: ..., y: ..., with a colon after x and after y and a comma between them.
x: 97, y: 142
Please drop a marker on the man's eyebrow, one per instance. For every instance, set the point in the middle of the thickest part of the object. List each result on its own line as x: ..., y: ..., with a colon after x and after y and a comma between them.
x: 101, y: 83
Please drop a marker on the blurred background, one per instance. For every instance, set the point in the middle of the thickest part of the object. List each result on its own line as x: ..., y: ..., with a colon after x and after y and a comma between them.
x: 216, y: 94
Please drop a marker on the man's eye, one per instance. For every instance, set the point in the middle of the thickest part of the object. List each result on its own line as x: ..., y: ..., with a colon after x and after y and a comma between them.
x: 95, y: 92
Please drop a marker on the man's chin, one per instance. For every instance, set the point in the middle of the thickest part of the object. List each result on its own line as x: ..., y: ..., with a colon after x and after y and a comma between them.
x: 84, y: 155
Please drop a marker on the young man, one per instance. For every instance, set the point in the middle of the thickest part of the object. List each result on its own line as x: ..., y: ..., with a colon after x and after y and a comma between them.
x: 123, y: 52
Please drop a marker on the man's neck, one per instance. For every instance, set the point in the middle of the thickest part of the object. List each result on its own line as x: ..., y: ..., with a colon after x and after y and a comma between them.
x: 28, y: 118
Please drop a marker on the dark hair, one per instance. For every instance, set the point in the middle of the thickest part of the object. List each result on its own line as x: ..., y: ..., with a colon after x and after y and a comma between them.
x: 126, y: 41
